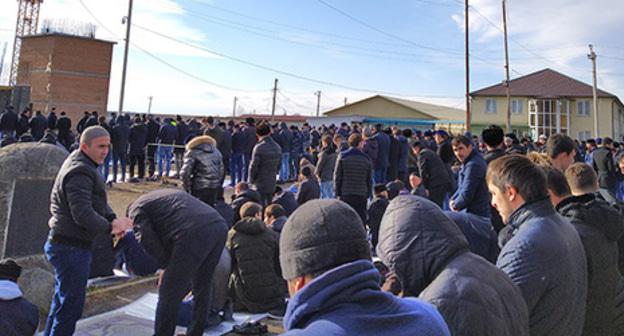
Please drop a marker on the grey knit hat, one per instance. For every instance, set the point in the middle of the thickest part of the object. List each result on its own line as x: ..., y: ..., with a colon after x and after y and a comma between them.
x: 321, y: 234
x: 93, y: 132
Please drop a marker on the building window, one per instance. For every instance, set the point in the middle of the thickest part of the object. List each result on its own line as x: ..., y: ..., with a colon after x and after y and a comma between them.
x: 516, y: 106
x: 490, y: 106
x: 584, y: 135
x: 583, y: 108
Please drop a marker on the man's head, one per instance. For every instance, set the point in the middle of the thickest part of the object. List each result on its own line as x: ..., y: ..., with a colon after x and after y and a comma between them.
x: 514, y: 180
x: 561, y: 151
x: 607, y: 143
x: 306, y: 172
x: 582, y: 179
x: 418, y: 146
x: 273, y: 212
x: 462, y: 147
x: 240, y: 187
x: 326, y: 140
x: 439, y: 136
x: 492, y: 136
x: 263, y: 130
x: 9, y: 270
x: 558, y: 187
x: 319, y: 236
x: 354, y: 140
x: 415, y: 180
x: 95, y: 143
x: 380, y: 190
x: 251, y: 209
x: 590, y: 145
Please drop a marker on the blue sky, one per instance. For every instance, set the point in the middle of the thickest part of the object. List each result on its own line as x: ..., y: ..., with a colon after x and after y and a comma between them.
x: 410, y: 48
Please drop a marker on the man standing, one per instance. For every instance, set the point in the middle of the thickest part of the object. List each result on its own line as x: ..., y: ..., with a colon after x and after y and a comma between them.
x: 435, y: 177
x: 153, y: 127
x: 38, y: 125
x: 250, y: 142
x: 541, y: 251
x: 183, y: 132
x: 121, y: 133
x: 64, y: 124
x: 238, y: 151
x: 284, y: 140
x: 353, y: 182
x: 8, y: 122
x: 265, y: 163
x: 166, y: 137
x: 138, y: 139
x: 605, y: 168
x: 80, y: 212
x: 381, y: 165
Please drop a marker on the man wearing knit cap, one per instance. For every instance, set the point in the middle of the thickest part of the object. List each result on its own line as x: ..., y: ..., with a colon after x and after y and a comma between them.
x: 80, y: 212
x: 17, y: 315
x: 333, y: 284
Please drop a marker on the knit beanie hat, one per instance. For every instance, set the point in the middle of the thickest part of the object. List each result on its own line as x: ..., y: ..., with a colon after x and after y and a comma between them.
x: 9, y: 270
x: 319, y: 235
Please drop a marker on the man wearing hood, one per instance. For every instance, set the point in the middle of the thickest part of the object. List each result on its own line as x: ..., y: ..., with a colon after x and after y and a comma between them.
x: 202, y: 170
x: 541, y: 251
x: 600, y: 226
x: 430, y: 257
x: 17, y: 316
x: 334, y: 286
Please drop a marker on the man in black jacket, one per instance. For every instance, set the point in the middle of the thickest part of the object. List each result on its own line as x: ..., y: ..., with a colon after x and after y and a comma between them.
x: 265, y: 163
x: 183, y: 132
x: 80, y: 212
x: 250, y: 142
x: 8, y: 122
x: 186, y: 237
x: 242, y: 194
x: 605, y: 168
x: 238, y: 151
x: 63, y: 124
x: 120, y: 136
x: 153, y: 127
x: 38, y: 125
x: 433, y: 172
x: 309, y: 187
x: 137, y: 139
x: 353, y: 182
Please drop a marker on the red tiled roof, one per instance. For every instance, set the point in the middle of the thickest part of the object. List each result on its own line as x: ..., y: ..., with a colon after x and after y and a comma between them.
x: 544, y: 83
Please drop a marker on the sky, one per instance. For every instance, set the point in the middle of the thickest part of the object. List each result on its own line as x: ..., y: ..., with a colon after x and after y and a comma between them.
x: 195, y: 56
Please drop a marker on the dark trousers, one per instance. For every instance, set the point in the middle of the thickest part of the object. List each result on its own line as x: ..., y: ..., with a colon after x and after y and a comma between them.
x: 194, y: 256
x: 151, y: 160
x: 137, y: 261
x: 380, y: 175
x: 246, y: 162
x: 120, y: 156
x: 358, y: 203
x: 266, y: 199
x: 207, y: 195
x: 236, y: 168
x: 437, y: 194
x: 140, y: 161
x: 71, y: 272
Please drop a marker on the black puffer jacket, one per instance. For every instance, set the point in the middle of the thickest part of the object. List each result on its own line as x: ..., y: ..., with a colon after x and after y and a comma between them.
x: 203, y: 165
x: 353, y: 174
x: 240, y: 200
x: 256, y: 276
x: 430, y: 256
x: 79, y: 207
x: 265, y: 163
x: 600, y: 226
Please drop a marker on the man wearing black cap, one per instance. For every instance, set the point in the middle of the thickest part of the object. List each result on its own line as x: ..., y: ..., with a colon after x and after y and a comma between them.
x: 333, y: 284
x: 17, y: 316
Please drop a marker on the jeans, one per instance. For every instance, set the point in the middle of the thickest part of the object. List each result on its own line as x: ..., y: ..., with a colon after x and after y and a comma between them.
x: 119, y: 156
x: 327, y: 189
x: 138, y: 262
x: 105, y: 167
x: 284, y: 173
x: 246, y: 162
x: 482, y: 238
x: 71, y: 272
x: 294, y: 165
x: 236, y: 168
x: 165, y: 154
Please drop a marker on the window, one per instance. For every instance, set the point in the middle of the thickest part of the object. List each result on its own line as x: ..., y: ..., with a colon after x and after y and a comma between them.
x: 516, y: 106
x: 584, y: 135
x: 490, y: 106
x: 583, y: 108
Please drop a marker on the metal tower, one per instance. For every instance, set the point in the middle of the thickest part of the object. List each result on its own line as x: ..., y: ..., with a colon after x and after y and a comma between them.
x: 27, y: 22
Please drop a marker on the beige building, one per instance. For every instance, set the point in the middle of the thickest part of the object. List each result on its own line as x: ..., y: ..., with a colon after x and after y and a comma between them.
x: 547, y: 102
x: 400, y: 112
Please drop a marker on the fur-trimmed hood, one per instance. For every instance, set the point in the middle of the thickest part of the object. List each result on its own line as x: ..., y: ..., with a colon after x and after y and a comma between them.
x: 200, y: 140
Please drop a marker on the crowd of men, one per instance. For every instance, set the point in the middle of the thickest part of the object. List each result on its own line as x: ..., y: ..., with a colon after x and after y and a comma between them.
x: 473, y: 235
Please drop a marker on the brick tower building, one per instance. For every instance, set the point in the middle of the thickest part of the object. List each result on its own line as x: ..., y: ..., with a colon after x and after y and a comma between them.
x: 70, y: 73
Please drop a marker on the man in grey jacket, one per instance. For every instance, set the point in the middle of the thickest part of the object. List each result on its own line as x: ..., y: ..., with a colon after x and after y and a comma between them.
x: 80, y: 212
x: 541, y: 251
x: 265, y: 163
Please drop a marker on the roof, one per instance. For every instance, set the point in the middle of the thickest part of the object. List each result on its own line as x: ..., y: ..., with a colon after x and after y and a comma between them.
x: 432, y: 111
x: 544, y: 83
x: 284, y: 118
x: 43, y: 35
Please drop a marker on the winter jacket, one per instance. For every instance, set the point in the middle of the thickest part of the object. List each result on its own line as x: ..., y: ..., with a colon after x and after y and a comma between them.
x: 183, y: 133
x: 256, y: 276
x: 153, y: 128
x: 250, y: 138
x: 240, y: 200
x: 137, y: 139
x: 287, y: 200
x: 22, y: 125
x: 18, y: 317
x: 120, y: 135
x: 375, y: 212
x: 393, y: 158
x: 403, y: 154
x: 605, y: 168
x: 8, y: 121
x: 278, y: 224
x: 472, y: 194
x: 264, y: 165
x: 161, y: 216
x: 315, y: 139
x: 353, y: 174
x: 226, y: 144
x: 81, y: 123
x: 91, y: 121
x: 492, y: 155
x: 309, y: 189
x: 78, y: 204
x: 296, y: 147
x: 383, y: 140
x: 238, y: 142
x: 38, y: 125
x: 284, y: 138
x: 600, y: 226
x: 433, y: 172
x: 347, y: 301
x: 370, y: 147
x: 225, y: 210
x: 167, y: 133
x: 430, y: 256
x: 544, y: 256
x: 445, y: 152
x: 202, y: 166
x: 63, y: 124
x: 326, y: 164
x: 52, y: 119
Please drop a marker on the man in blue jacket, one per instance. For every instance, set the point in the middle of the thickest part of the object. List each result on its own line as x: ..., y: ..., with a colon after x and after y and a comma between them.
x: 333, y: 284
x: 541, y: 251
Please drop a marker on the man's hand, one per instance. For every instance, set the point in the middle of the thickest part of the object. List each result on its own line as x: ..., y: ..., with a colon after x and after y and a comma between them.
x: 452, y: 206
x: 121, y: 225
x: 161, y: 273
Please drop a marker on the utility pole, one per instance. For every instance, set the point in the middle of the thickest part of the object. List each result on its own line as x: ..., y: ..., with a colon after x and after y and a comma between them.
x: 508, y: 114
x: 234, y: 108
x: 345, y: 101
x: 467, y: 23
x: 592, y: 56
x: 128, y: 22
x: 318, y: 102
x: 149, y: 106
x: 274, y: 98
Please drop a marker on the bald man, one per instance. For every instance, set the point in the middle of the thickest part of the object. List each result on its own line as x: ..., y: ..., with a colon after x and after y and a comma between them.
x: 80, y: 212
